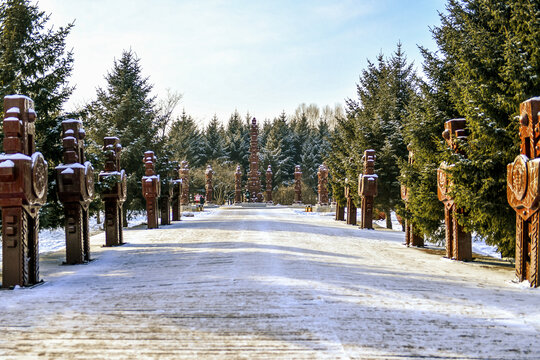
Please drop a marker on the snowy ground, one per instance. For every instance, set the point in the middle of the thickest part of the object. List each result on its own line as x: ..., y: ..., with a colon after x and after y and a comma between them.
x: 269, y: 283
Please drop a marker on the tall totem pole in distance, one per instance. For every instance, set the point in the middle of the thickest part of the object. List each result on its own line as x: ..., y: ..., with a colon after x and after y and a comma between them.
x: 269, y: 184
x: 184, y: 176
x: 166, y: 194
x: 75, y: 185
x: 523, y: 193
x: 238, y: 185
x: 458, y: 242
x: 297, y: 185
x: 114, y: 182
x: 209, y: 187
x: 367, y: 189
x: 254, y: 177
x: 151, y: 188
x: 23, y: 190
x: 411, y: 237
x: 322, y: 175
x: 177, y: 195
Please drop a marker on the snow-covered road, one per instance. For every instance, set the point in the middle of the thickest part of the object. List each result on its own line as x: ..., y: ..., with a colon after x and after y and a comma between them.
x: 269, y: 283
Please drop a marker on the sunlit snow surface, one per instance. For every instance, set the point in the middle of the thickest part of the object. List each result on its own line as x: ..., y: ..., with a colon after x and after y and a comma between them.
x: 269, y: 283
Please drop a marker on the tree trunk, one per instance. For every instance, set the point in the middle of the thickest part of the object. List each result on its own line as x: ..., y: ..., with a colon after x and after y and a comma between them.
x: 388, y: 219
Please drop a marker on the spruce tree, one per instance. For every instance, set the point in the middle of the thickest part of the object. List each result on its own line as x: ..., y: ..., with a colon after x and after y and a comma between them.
x: 34, y: 62
x: 214, y: 140
x: 185, y: 141
x: 236, y: 146
x: 126, y: 109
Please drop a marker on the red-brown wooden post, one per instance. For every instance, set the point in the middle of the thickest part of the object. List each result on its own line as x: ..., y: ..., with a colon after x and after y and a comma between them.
x: 297, y: 185
x: 269, y: 175
x: 352, y: 212
x: 151, y: 188
x: 114, y: 184
x: 238, y: 185
x: 209, y: 187
x: 176, y: 195
x: 523, y: 193
x: 458, y: 241
x: 322, y: 175
x: 367, y: 189
x: 23, y: 190
x: 75, y: 186
x: 254, y: 176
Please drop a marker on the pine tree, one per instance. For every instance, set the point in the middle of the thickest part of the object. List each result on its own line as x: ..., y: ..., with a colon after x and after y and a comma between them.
x: 185, y: 141
x: 126, y: 109
x: 214, y: 139
x: 34, y: 62
x: 236, y: 146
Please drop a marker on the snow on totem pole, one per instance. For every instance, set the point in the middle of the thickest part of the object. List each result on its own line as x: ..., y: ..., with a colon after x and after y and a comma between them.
x: 297, y: 185
x: 151, y: 189
x: 411, y: 237
x: 23, y: 190
x: 114, y: 183
x: 254, y: 180
x: 351, y: 207
x: 458, y: 242
x: 75, y: 185
x: 184, y: 177
x: 209, y: 187
x: 322, y: 174
x: 367, y: 189
x: 269, y: 184
x: 523, y: 193
x: 238, y: 185
x: 166, y: 193
x: 176, y: 195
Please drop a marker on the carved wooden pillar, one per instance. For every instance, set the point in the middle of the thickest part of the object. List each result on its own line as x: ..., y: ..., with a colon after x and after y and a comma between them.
x: 411, y: 236
x: 297, y: 185
x: 184, y: 176
x: 322, y: 175
x: 351, y: 207
x: 23, y: 190
x: 269, y: 185
x: 176, y: 195
x: 238, y: 185
x: 151, y: 189
x: 367, y: 189
x: 114, y: 184
x: 523, y: 193
x: 209, y: 187
x: 75, y: 185
x: 458, y: 242
x: 340, y: 212
x: 254, y: 176
x: 166, y: 193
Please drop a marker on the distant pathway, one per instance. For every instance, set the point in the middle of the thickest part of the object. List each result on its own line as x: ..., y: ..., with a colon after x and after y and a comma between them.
x: 269, y: 284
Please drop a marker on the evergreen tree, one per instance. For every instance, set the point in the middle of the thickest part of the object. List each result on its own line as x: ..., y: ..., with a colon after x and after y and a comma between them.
x: 186, y: 141
x: 237, y: 141
x: 34, y: 62
x: 214, y: 139
x: 126, y: 109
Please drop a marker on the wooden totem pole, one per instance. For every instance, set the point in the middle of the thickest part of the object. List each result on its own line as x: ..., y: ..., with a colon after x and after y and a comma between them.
x: 176, y: 195
x: 322, y: 174
x: 23, y: 190
x: 209, y: 187
x: 166, y: 194
x: 340, y: 212
x: 75, y: 186
x: 238, y: 185
x: 114, y: 182
x: 269, y: 184
x: 184, y: 176
x: 458, y: 242
x: 254, y: 176
x: 297, y: 185
x: 151, y: 189
x: 351, y: 207
x: 411, y: 237
x: 523, y: 193
x: 367, y: 189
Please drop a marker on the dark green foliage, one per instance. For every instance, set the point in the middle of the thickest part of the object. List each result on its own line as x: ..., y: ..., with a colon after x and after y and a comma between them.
x: 214, y: 140
x: 186, y: 142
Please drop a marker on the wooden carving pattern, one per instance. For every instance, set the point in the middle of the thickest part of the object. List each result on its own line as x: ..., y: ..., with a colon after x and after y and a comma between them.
x: 322, y: 175
x: 367, y: 189
x: 254, y: 175
x: 151, y: 187
x: 114, y: 194
x: 23, y: 190
x: 458, y: 242
x: 238, y: 185
x: 297, y: 185
x: 523, y: 192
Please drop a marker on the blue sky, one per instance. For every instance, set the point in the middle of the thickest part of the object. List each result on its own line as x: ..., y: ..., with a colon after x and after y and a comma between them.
x: 256, y: 56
